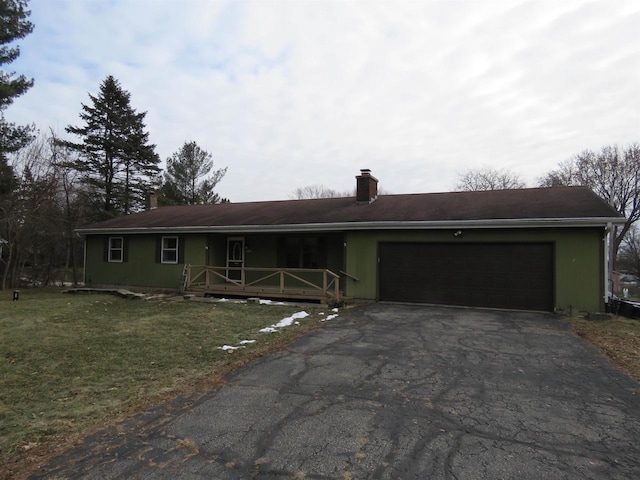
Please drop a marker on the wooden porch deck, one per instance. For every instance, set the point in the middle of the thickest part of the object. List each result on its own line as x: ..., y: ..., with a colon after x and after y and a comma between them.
x: 320, y: 285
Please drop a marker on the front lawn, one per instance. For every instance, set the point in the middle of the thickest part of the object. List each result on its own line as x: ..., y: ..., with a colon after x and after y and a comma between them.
x: 72, y: 363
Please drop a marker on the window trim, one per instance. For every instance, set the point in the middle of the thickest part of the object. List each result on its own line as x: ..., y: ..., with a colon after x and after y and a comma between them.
x: 111, y: 249
x: 163, y: 249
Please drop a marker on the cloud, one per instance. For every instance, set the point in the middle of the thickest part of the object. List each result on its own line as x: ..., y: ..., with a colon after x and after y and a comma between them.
x: 288, y: 94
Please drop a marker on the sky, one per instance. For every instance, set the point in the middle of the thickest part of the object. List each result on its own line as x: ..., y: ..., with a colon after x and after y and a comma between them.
x: 289, y: 94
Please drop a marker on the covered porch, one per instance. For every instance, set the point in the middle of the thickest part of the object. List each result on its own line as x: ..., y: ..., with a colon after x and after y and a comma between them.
x: 315, y: 284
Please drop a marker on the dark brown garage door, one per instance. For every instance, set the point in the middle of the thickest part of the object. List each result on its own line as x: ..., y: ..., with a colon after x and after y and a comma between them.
x: 496, y: 275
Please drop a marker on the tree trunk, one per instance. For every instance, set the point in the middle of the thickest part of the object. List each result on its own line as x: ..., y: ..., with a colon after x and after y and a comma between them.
x: 7, y: 268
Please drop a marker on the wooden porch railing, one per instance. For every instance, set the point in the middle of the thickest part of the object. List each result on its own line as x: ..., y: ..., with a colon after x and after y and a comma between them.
x: 299, y: 283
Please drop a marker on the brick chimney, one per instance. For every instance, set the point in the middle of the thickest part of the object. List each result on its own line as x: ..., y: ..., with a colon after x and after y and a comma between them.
x: 151, y: 201
x: 366, y: 187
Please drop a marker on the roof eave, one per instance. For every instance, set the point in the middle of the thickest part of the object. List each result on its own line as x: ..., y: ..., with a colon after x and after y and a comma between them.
x: 375, y: 225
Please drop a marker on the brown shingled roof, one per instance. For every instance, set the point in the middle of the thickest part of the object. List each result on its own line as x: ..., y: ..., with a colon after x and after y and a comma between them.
x: 554, y: 204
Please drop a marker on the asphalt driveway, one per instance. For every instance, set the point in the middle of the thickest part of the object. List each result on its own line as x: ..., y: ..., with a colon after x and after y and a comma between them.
x: 393, y: 392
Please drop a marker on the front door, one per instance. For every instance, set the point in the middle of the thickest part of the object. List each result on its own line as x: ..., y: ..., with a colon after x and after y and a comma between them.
x: 235, y: 257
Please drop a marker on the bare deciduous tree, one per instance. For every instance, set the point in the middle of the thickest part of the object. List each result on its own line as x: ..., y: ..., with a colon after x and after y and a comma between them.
x: 320, y: 191
x: 488, y: 178
x: 629, y: 255
x: 38, y: 217
x: 612, y: 173
x: 315, y: 191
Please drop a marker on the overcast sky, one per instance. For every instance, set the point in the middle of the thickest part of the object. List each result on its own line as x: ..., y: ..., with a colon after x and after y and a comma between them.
x: 293, y: 93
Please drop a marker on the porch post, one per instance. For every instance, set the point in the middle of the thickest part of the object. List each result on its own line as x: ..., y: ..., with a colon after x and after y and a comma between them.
x: 324, y: 282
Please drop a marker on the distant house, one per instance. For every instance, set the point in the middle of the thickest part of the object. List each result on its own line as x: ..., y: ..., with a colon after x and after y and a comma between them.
x: 534, y: 249
x: 624, y: 284
x: 628, y: 278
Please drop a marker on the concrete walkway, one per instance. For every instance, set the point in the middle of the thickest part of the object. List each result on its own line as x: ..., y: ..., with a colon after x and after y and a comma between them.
x: 393, y: 392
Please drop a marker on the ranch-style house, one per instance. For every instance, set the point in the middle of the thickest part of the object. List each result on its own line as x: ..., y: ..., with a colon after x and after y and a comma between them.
x: 534, y: 249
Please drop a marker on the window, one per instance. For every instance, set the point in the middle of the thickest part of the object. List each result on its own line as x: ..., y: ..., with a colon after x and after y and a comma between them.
x: 302, y: 252
x: 169, y: 250
x: 116, y: 249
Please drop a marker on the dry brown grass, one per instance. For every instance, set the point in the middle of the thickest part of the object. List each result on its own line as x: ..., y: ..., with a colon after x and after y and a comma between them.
x: 618, y: 339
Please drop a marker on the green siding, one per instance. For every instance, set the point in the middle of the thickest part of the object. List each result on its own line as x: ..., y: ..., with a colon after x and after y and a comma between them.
x: 141, y: 268
x: 578, y: 259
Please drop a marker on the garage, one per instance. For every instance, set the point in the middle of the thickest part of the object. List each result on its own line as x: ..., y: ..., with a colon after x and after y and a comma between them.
x: 494, y: 275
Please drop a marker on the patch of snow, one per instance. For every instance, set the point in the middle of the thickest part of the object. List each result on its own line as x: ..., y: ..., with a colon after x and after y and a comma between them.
x: 229, y: 347
x: 245, y: 342
x: 335, y: 310
x: 285, y: 322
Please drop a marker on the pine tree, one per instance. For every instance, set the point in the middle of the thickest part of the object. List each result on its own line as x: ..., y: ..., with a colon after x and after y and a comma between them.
x: 117, y: 162
x: 13, y: 25
x: 8, y: 181
x: 188, y: 179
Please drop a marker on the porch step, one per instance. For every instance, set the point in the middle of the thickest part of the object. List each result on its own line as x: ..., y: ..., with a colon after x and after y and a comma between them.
x: 120, y: 292
x: 265, y: 292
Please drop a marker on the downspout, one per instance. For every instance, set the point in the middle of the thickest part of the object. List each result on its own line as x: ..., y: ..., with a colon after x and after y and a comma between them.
x: 84, y: 262
x: 608, y: 246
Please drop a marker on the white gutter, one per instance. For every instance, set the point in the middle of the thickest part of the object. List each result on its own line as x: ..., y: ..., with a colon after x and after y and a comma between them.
x: 376, y: 225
